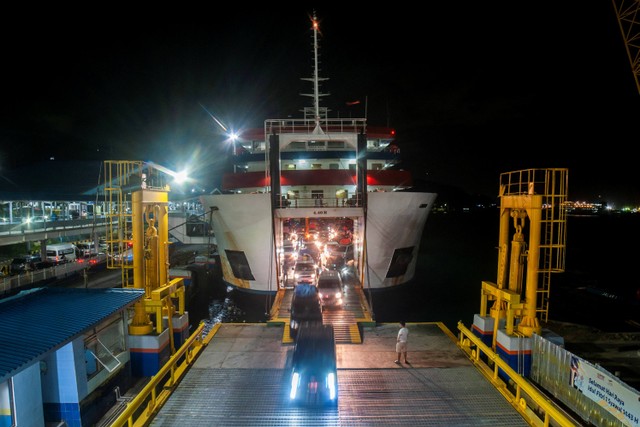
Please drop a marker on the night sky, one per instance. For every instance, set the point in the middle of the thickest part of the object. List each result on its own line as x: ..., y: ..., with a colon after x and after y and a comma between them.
x: 472, y: 90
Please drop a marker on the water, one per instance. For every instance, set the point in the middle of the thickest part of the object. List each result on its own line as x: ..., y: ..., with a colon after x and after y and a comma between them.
x: 459, y: 251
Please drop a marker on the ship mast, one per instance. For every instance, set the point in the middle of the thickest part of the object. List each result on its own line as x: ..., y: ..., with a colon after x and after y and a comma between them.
x: 318, y: 113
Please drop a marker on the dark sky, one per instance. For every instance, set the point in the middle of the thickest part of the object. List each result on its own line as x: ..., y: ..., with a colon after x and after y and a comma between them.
x: 473, y: 90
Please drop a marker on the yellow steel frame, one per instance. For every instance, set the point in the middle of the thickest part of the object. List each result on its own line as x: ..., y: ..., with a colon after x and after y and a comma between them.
x: 138, y: 213
x: 534, y: 201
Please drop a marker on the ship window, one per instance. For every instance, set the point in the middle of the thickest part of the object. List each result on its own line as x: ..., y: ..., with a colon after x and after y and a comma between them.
x: 400, y: 261
x: 297, y: 145
x: 335, y: 144
x: 334, y: 166
x: 316, y: 145
x: 376, y: 166
x: 239, y: 265
x: 352, y: 166
x: 316, y: 166
x: 290, y: 166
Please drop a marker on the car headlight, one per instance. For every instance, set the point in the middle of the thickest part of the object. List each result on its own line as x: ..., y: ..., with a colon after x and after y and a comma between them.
x: 338, y: 294
x: 295, y: 381
x: 331, y: 384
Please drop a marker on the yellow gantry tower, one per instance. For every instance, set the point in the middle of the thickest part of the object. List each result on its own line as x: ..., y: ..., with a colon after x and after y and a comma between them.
x: 138, y: 238
x: 533, y: 207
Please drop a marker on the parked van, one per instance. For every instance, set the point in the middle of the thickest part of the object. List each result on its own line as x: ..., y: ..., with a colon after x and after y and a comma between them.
x: 87, y: 249
x: 61, y: 252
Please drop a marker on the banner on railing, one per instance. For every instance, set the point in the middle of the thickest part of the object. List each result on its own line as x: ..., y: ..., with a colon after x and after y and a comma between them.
x: 620, y: 400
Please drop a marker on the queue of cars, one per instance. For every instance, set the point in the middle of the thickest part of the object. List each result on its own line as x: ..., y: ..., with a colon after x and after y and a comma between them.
x: 25, y: 263
x: 56, y: 254
x: 312, y: 295
x: 298, y: 264
x: 314, y: 374
x: 315, y: 271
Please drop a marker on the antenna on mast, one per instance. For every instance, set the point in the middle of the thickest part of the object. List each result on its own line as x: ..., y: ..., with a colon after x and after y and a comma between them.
x: 318, y: 113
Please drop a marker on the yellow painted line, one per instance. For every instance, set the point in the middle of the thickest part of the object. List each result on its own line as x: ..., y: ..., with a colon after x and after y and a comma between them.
x: 286, y: 337
x: 354, y: 333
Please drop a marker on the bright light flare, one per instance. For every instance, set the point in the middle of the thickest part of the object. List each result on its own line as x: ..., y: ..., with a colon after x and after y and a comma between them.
x: 215, y: 119
x: 180, y: 177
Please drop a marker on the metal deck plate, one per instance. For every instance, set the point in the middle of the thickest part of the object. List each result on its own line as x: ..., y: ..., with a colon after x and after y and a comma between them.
x: 368, y: 397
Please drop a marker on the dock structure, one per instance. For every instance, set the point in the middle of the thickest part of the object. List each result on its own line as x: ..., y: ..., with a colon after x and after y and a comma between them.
x: 242, y: 377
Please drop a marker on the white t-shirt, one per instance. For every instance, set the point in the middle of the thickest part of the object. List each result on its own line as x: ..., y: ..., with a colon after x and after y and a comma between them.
x: 403, y: 333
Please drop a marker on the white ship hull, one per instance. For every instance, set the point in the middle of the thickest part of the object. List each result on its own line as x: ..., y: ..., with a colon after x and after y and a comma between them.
x: 246, y: 230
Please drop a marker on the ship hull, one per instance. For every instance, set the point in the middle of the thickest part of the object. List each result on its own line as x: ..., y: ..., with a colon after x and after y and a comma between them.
x: 248, y: 233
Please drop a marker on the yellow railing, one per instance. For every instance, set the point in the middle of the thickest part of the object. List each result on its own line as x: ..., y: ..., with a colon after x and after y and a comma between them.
x: 141, y: 410
x: 536, y: 408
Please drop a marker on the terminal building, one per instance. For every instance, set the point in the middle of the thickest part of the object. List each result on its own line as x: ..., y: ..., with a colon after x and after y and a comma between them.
x: 70, y: 348
x: 64, y: 201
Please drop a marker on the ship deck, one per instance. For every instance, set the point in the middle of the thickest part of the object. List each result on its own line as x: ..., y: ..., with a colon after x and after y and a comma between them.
x: 242, y: 377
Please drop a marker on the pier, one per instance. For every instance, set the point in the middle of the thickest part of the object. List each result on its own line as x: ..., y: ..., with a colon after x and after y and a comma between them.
x: 241, y: 376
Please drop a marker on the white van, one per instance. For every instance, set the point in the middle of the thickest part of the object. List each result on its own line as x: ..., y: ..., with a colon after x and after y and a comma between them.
x: 61, y: 252
x: 86, y: 249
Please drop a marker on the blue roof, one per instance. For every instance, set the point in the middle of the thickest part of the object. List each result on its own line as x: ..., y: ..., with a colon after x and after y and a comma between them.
x: 41, y: 320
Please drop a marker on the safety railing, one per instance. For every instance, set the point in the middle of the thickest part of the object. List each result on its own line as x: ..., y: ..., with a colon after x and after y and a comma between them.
x: 140, y: 410
x: 28, y: 279
x: 535, y: 407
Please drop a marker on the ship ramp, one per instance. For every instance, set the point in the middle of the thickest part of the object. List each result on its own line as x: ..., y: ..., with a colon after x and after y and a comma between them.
x: 347, y: 320
x: 242, y: 378
x: 243, y: 375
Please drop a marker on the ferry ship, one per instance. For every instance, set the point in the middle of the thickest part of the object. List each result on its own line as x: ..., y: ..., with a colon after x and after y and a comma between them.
x: 303, y: 175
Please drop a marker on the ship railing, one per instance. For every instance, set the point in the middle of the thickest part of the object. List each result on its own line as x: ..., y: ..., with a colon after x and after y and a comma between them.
x: 280, y: 126
x: 321, y: 202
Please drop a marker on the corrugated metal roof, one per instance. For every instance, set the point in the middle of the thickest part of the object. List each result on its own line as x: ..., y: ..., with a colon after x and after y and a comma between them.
x: 38, y: 321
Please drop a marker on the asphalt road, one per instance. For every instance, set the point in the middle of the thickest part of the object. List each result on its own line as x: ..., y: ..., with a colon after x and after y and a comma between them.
x: 102, y: 278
